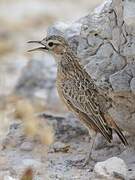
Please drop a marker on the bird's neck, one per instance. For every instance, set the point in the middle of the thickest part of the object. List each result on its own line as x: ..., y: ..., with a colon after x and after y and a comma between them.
x: 68, y: 66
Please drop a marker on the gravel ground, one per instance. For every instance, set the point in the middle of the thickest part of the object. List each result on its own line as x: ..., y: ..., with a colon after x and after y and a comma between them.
x: 29, y: 20
x: 55, y: 162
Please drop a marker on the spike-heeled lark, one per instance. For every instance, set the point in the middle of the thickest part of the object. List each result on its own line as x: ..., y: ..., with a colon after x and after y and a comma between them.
x: 79, y: 92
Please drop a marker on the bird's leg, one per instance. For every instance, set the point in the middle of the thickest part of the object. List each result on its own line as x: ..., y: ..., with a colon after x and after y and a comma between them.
x: 83, y: 162
x: 88, y: 158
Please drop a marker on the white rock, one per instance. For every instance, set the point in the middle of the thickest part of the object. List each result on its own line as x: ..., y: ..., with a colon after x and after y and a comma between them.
x: 120, y: 81
x: 94, y: 40
x: 27, y: 146
x: 105, y: 51
x: 129, y: 12
x: 132, y: 84
x: 31, y: 163
x: 74, y: 31
x: 116, y: 38
x: 117, y: 61
x: 110, y: 168
x: 57, y: 29
x: 9, y: 178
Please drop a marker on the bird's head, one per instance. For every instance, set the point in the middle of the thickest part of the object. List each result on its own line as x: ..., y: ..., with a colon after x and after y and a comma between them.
x: 53, y: 44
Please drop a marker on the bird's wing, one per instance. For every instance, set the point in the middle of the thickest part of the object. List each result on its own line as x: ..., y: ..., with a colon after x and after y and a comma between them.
x: 85, y: 99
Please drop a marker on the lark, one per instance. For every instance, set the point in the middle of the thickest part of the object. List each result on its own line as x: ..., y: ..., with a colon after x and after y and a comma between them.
x: 79, y: 92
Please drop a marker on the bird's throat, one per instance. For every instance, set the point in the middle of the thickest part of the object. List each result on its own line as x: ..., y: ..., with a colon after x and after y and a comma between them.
x: 68, y: 66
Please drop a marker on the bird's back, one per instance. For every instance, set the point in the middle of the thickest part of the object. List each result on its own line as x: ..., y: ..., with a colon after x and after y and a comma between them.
x: 80, y: 94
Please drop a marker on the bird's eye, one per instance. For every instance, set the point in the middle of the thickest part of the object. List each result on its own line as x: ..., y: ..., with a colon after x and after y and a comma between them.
x: 50, y: 44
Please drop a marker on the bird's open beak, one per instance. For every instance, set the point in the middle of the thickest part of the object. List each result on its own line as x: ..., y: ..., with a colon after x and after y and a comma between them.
x: 41, y: 48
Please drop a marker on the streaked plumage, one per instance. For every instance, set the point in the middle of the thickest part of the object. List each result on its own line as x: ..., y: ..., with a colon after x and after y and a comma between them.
x: 79, y: 92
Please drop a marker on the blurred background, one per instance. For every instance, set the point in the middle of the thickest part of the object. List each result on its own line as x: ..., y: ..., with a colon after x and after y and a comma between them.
x: 27, y: 80
x: 32, y: 75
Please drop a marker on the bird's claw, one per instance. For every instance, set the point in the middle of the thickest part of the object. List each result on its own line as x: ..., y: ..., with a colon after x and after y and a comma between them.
x: 82, y: 163
x: 76, y: 163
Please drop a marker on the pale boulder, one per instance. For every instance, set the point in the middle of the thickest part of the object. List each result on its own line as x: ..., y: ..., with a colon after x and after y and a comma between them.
x: 111, y: 169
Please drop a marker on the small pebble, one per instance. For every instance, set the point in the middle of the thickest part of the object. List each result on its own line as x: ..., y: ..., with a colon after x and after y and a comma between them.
x: 61, y: 147
x: 27, y: 146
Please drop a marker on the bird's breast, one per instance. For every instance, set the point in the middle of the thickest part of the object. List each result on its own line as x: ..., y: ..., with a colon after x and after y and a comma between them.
x: 61, y: 94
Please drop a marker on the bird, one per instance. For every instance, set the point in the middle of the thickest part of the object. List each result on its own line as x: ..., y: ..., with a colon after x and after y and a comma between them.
x: 78, y: 91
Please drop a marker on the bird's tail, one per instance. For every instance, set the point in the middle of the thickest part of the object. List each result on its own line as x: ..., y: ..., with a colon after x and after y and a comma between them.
x: 116, y: 128
x: 106, y: 131
x: 121, y: 135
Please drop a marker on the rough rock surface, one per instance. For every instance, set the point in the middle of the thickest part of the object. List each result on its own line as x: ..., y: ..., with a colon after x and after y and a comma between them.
x: 129, y: 12
x: 105, y: 44
x: 113, y: 168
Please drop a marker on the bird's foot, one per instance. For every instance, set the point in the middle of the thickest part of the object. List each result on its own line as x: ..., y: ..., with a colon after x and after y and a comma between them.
x: 76, y: 163
x: 87, y: 161
x: 82, y: 163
